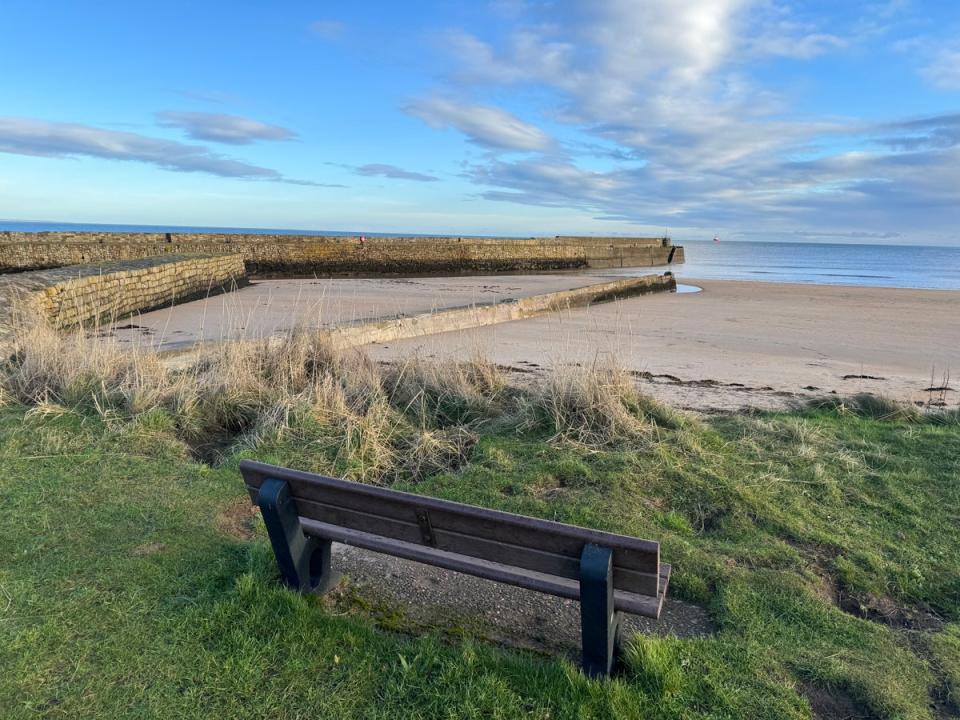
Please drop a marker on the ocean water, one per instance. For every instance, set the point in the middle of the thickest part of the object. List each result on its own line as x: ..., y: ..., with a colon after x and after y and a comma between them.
x: 23, y: 226
x: 905, y: 266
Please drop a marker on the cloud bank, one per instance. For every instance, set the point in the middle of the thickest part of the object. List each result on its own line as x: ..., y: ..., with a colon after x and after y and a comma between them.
x: 674, y: 128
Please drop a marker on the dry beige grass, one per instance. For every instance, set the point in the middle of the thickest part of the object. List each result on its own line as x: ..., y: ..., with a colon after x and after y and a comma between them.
x: 72, y: 369
x: 408, y: 419
x: 596, y: 404
x: 244, y: 392
x: 445, y: 392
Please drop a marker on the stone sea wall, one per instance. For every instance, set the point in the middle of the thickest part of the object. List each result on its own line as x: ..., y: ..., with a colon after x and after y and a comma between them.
x: 340, y: 255
x: 78, y: 295
x: 365, y: 332
x: 462, y: 318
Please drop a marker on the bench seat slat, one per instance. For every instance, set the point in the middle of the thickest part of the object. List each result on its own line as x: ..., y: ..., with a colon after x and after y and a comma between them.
x: 534, y: 533
x: 480, y: 548
x: 646, y: 605
x: 495, y: 525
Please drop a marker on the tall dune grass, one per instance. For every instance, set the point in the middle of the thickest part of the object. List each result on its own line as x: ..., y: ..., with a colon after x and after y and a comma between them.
x: 597, y: 404
x: 447, y: 392
x: 409, y: 417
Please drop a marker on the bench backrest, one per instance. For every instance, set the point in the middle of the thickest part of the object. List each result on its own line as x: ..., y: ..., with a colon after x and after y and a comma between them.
x: 336, y: 508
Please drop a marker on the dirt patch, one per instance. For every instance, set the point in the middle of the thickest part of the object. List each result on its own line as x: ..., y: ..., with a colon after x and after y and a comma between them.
x: 212, y: 449
x: 833, y: 704
x: 238, y: 519
x: 866, y: 606
x: 825, y: 586
x: 514, y: 369
x: 888, y: 611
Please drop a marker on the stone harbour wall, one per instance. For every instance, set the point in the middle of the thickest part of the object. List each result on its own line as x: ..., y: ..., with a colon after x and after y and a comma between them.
x: 365, y: 332
x: 79, y: 295
x: 309, y: 255
x: 462, y: 318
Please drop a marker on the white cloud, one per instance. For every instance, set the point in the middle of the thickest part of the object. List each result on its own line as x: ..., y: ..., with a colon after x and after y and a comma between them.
x: 793, y: 41
x: 681, y: 133
x: 638, y: 74
x: 873, y: 192
x: 486, y: 126
x: 28, y: 136
x: 943, y: 70
x: 223, y: 128
x: 393, y: 172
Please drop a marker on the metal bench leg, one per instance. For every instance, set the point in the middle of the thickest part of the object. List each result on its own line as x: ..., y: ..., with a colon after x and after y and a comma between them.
x: 304, y: 562
x: 599, y: 621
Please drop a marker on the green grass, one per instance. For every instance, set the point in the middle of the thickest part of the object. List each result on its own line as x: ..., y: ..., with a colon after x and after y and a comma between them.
x: 945, y: 648
x: 122, y: 596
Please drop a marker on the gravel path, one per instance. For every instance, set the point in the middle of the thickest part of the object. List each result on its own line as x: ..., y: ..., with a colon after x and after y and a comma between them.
x: 433, y: 598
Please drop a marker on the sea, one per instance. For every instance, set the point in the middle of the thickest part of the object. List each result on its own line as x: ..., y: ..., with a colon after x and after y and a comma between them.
x: 902, y: 266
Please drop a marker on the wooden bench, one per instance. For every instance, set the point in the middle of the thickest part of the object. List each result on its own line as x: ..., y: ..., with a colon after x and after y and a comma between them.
x: 304, y: 513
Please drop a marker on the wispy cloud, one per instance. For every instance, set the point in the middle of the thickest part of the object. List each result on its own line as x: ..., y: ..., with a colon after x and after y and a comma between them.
x: 931, y: 133
x: 392, y: 171
x: 839, y: 194
x: 222, y: 128
x: 486, y: 126
x: 677, y: 130
x: 943, y: 69
x: 653, y: 77
x: 28, y: 136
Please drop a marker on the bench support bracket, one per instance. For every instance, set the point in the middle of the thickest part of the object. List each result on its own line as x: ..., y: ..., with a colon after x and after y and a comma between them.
x: 304, y: 562
x: 599, y: 621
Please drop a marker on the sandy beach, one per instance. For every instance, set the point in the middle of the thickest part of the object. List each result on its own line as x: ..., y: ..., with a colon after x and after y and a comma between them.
x: 268, y: 307
x: 738, y: 343
x: 734, y: 343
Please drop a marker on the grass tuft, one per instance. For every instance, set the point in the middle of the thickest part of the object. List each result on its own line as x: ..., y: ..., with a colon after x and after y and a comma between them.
x: 867, y: 405
x: 445, y: 393
x: 655, y: 665
x: 595, y: 405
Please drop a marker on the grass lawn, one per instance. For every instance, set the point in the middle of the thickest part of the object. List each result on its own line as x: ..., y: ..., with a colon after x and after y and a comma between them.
x: 826, y: 547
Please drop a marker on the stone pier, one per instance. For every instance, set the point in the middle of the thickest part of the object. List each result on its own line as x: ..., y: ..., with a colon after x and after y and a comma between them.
x: 327, y: 256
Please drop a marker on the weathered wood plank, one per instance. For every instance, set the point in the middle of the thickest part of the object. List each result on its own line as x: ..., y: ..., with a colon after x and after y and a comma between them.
x: 540, y: 554
x: 535, y: 533
x: 472, y: 545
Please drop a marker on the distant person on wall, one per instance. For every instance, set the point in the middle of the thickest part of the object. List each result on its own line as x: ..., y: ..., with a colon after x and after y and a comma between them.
x: 363, y: 241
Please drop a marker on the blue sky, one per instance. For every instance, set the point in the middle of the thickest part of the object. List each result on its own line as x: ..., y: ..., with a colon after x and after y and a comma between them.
x: 757, y: 119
